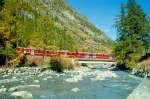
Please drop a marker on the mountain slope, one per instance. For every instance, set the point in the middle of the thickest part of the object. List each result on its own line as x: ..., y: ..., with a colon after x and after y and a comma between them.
x: 54, y: 25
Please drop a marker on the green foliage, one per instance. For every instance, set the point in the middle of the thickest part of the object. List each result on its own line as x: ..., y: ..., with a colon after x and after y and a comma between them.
x: 11, y: 27
x: 133, y: 35
x: 23, y: 61
x: 38, y: 24
x: 1, y: 4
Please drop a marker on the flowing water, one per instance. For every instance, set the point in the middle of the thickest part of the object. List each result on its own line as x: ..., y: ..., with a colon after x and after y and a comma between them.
x: 83, y: 83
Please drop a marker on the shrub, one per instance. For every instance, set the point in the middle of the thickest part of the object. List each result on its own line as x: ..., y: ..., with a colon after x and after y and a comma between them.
x: 55, y: 64
x: 33, y: 64
x: 23, y: 60
x: 84, y: 65
x: 59, y: 64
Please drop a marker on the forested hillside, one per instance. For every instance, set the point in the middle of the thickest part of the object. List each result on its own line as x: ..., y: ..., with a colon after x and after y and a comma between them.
x: 47, y: 24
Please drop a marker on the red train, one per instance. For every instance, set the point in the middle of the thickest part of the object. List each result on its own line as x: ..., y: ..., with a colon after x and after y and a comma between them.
x: 38, y: 52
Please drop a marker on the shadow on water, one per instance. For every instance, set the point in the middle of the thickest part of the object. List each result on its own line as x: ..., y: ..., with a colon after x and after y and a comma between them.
x: 98, y: 68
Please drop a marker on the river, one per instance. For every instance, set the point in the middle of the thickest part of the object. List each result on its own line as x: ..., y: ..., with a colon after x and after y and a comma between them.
x: 83, y: 83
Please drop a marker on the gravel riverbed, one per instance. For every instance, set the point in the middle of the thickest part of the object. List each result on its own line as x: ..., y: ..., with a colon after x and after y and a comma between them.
x: 82, y: 83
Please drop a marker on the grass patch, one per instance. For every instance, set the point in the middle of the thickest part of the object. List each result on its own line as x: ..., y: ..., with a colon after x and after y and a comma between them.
x: 144, y: 64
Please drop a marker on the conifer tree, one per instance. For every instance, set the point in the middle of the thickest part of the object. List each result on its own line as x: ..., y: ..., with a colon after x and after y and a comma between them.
x: 1, y: 4
x: 133, y: 35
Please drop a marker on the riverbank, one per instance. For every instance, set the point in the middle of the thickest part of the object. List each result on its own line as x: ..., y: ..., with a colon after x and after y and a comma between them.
x: 141, y: 72
x: 142, y: 91
x: 138, y: 71
x: 23, y: 70
x: 142, y: 69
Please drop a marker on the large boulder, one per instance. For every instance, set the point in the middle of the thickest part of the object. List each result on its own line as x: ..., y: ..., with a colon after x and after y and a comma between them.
x: 23, y: 94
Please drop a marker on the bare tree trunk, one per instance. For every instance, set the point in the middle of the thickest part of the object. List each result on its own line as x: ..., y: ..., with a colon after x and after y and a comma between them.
x: 6, y: 57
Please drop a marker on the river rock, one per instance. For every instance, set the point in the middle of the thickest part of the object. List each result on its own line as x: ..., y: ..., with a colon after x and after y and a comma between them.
x: 23, y: 86
x: 102, y: 75
x: 75, y: 89
x: 141, y: 72
x: 43, y: 69
x: 40, y: 75
x: 49, y: 77
x: 36, y: 81
x: 75, y: 79
x: 13, y: 77
x: 2, y: 86
x: 148, y: 76
x: 22, y: 81
x: 44, y: 78
x: 23, y: 94
x: 8, y: 80
x: 3, y: 90
x: 5, y: 76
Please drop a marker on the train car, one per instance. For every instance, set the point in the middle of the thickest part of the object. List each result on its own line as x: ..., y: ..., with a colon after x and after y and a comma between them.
x: 27, y: 51
x: 71, y: 54
x: 102, y: 56
x: 91, y: 55
x: 63, y: 54
x: 38, y: 52
x: 81, y: 55
x: 105, y: 56
x: 20, y: 50
x: 52, y: 54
